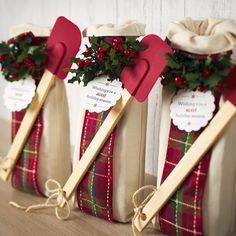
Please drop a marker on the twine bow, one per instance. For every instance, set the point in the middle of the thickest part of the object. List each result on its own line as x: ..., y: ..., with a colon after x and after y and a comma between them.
x: 138, y: 207
x: 55, y: 200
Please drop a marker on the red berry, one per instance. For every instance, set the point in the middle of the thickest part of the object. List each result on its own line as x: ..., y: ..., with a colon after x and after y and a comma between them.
x: 215, y: 56
x: 182, y: 85
x: 16, y: 65
x: 80, y: 63
x: 200, y: 88
x: 179, y: 80
x: 28, y: 61
x: 117, y: 40
x: 100, y: 48
x: 219, y: 88
x: 88, y: 51
x: 108, y: 39
x: 4, y: 69
x: 100, y: 56
x: 31, y: 65
x: 11, y: 41
x: 37, y: 74
x: 116, y: 47
x: 1, y: 57
x: 127, y: 52
x: 206, y: 72
x: 14, y: 76
x: 88, y: 61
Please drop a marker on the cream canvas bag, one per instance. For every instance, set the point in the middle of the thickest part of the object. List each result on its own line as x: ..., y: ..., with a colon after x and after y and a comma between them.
x: 54, y: 152
x: 219, y: 203
x: 129, y: 146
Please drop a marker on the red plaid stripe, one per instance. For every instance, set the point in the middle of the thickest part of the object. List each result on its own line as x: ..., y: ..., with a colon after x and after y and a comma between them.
x: 94, y: 194
x: 24, y: 176
x: 182, y: 215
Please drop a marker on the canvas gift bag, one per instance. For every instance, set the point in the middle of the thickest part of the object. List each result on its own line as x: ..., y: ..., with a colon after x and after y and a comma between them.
x: 205, y: 203
x: 106, y: 190
x: 46, y: 154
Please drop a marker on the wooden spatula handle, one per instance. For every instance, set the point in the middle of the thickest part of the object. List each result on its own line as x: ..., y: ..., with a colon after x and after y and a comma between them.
x: 96, y: 145
x: 27, y: 123
x: 207, y: 138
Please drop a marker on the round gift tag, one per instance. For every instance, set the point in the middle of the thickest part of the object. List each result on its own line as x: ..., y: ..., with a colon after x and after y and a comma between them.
x: 99, y: 95
x: 19, y: 94
x: 192, y: 110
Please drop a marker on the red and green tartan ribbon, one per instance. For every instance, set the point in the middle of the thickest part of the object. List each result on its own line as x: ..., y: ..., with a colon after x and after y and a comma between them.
x: 94, y: 194
x: 182, y: 215
x: 25, y: 173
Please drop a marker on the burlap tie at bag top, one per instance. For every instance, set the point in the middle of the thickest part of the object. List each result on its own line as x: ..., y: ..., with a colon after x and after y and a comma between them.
x: 46, y: 154
x: 107, y: 188
x: 205, y: 203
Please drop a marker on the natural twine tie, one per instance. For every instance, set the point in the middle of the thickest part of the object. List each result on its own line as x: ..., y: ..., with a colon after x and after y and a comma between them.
x: 138, y: 208
x: 55, y: 200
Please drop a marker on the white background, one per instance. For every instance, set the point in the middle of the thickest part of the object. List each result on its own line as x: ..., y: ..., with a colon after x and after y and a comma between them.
x: 157, y: 14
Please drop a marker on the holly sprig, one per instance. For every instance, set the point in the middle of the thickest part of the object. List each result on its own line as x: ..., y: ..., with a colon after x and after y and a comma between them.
x: 21, y: 56
x: 105, y: 56
x: 195, y: 72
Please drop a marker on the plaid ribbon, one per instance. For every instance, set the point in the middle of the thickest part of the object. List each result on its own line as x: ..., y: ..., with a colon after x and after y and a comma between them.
x: 182, y: 215
x: 24, y: 176
x: 94, y: 194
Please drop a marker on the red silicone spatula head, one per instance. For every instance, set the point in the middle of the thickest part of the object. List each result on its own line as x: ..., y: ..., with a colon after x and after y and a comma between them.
x: 230, y: 92
x: 139, y: 79
x: 63, y: 43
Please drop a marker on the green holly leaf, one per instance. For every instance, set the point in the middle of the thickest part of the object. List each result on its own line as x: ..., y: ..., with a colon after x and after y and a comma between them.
x: 112, y: 54
x: 107, y: 66
x: 94, y: 41
x: 194, y: 84
x: 39, y: 59
x: 136, y: 46
x: 212, y: 81
x: 131, y: 39
x: 21, y: 57
x: 73, y: 79
x: 4, y: 48
x: 208, y: 61
x: 171, y: 61
x: 31, y: 51
x: 74, y: 60
x: 117, y: 72
x: 191, y: 76
x: 115, y: 62
x: 106, y: 46
x: 70, y: 70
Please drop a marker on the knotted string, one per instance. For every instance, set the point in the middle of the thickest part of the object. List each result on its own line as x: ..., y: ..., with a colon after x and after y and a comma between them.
x: 55, y: 200
x: 138, y: 208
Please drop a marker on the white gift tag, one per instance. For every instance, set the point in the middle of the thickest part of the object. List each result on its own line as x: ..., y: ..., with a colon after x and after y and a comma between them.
x: 99, y: 95
x: 190, y: 111
x: 19, y: 94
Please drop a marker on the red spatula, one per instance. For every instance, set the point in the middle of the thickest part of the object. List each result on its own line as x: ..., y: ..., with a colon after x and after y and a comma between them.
x: 138, y: 81
x: 63, y: 43
x: 193, y: 156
